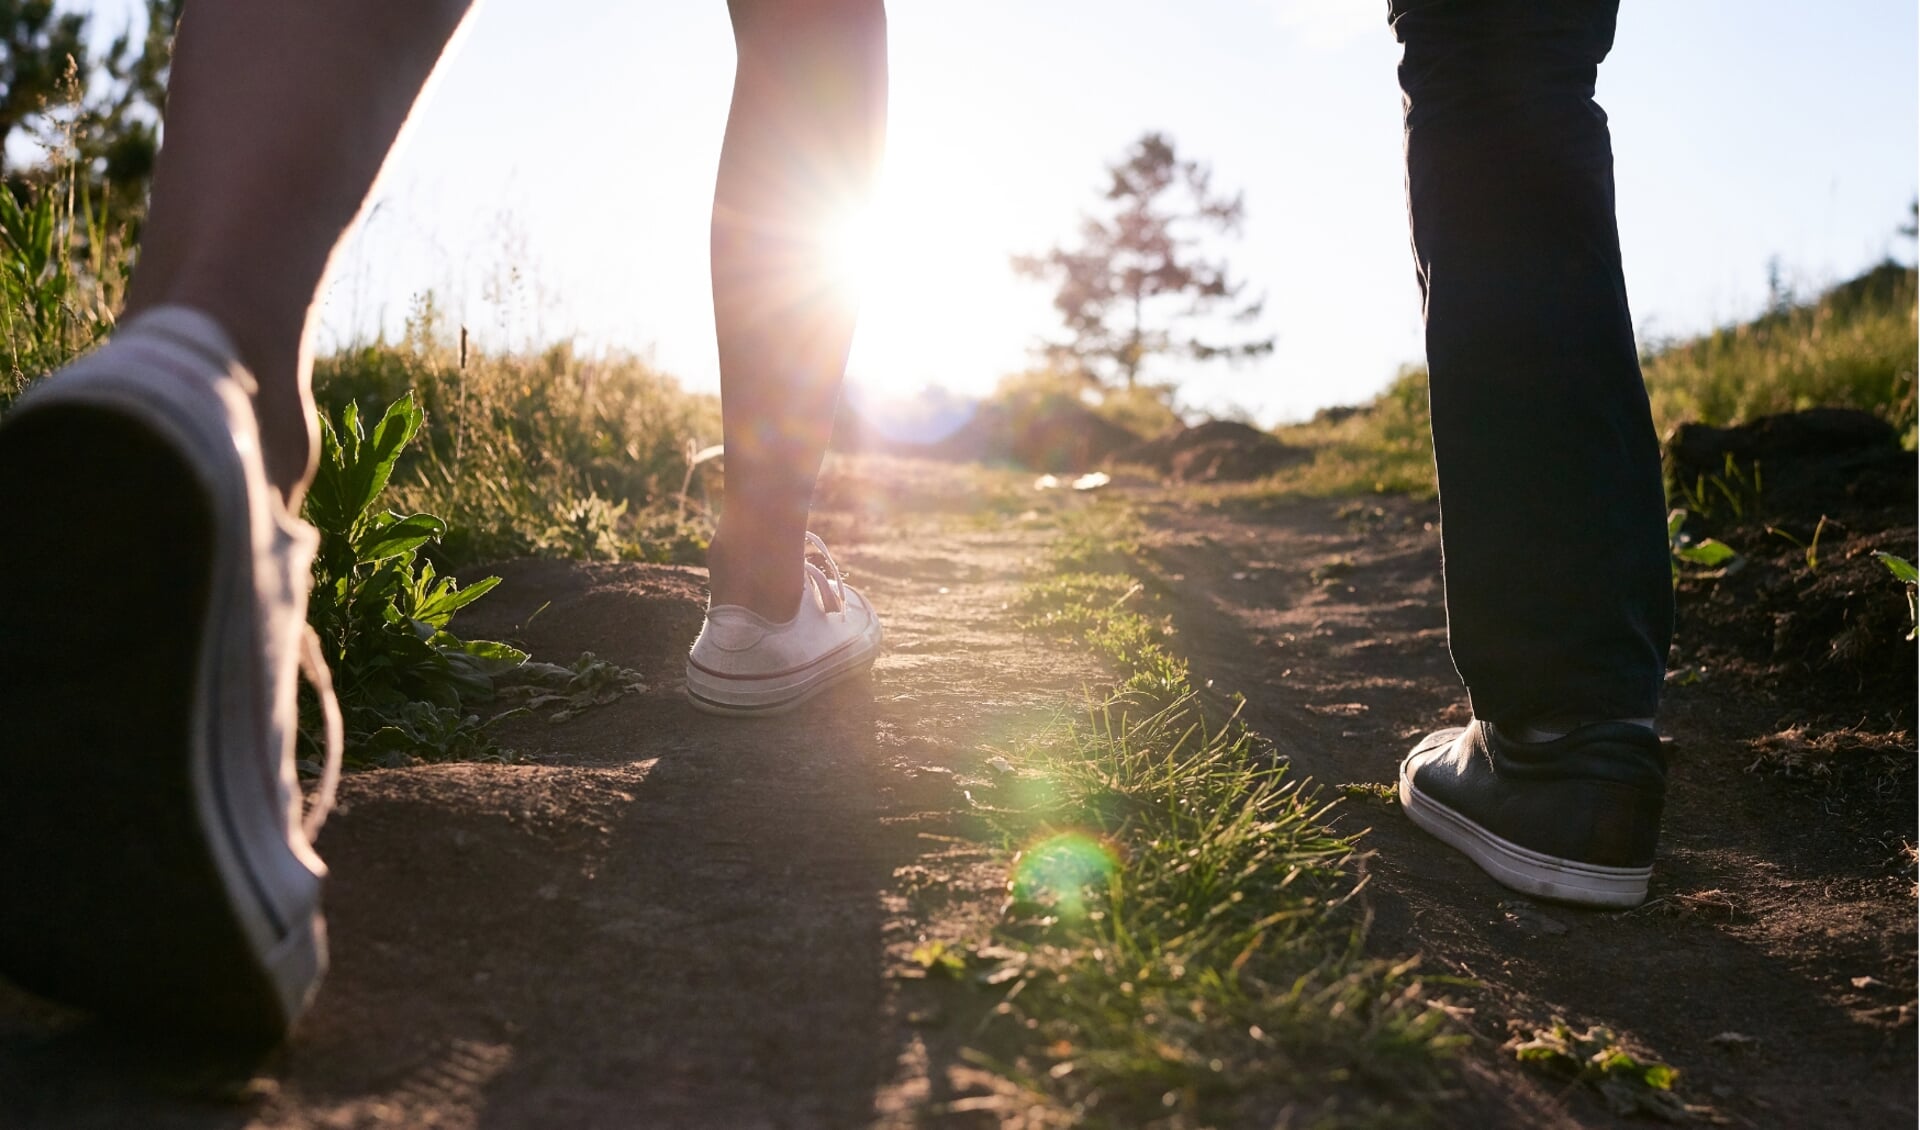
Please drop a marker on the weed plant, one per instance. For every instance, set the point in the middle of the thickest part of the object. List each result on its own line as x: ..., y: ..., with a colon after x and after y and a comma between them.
x: 407, y: 685
x: 409, y: 688
x: 1596, y: 1058
x: 1181, y: 947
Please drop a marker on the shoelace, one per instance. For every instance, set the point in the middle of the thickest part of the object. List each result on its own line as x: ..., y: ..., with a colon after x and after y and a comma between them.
x: 836, y: 580
x: 313, y: 663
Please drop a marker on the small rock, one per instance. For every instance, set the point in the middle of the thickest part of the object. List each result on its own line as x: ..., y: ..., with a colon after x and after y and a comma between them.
x: 1531, y: 920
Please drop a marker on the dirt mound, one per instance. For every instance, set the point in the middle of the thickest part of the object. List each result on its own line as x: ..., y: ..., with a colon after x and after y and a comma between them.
x: 1216, y: 451
x: 1806, y: 499
x: 1065, y: 437
x: 1822, y: 460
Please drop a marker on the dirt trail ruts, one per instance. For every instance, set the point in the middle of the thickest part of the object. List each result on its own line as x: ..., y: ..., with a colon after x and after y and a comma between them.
x: 1774, y: 963
x: 659, y: 919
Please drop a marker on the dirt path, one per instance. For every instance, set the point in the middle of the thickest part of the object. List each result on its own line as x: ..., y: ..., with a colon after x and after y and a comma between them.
x: 658, y: 919
x: 1774, y: 962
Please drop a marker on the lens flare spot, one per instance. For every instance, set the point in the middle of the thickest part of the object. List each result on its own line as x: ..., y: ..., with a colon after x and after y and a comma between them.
x: 1065, y: 872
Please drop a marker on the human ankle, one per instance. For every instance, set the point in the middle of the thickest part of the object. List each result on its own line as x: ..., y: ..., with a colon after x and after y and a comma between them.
x: 272, y: 349
x: 755, y: 572
x: 289, y: 444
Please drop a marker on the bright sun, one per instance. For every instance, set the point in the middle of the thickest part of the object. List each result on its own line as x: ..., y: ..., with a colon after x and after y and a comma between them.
x: 852, y: 248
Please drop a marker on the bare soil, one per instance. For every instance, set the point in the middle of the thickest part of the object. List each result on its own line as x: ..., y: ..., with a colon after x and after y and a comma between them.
x: 658, y: 919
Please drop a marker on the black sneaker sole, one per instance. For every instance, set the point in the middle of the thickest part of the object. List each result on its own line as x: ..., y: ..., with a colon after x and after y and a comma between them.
x: 112, y: 899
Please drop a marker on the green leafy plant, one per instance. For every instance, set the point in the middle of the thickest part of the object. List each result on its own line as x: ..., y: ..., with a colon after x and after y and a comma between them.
x: 566, y: 691
x: 406, y: 683
x: 1707, y: 553
x: 1904, y: 572
x: 1596, y: 1058
x: 587, y: 530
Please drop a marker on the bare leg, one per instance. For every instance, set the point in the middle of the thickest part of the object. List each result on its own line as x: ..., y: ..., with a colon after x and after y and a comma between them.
x: 803, y: 144
x: 279, y: 117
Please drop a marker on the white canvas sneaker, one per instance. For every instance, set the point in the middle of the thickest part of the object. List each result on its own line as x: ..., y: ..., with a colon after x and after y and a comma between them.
x: 154, y: 863
x: 745, y: 664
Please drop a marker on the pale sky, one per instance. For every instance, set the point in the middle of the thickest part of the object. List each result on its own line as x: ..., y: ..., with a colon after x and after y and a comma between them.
x: 565, y: 158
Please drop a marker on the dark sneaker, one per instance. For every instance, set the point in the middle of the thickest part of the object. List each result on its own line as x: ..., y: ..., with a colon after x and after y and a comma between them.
x: 155, y: 865
x: 1575, y: 819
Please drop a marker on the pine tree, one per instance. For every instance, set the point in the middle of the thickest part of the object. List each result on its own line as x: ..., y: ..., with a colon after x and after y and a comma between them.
x: 1138, y: 284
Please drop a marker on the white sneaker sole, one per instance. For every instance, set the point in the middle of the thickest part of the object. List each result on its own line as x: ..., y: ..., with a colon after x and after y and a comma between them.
x: 765, y: 696
x: 133, y: 795
x: 1522, y: 869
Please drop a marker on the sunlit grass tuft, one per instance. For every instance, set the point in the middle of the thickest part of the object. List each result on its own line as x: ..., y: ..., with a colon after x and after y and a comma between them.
x: 1182, y: 946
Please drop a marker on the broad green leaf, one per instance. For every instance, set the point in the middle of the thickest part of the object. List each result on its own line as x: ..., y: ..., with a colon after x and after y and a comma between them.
x: 325, y: 505
x: 373, y: 463
x: 440, y: 606
x: 398, y: 536
x: 1708, y: 552
x: 494, y: 658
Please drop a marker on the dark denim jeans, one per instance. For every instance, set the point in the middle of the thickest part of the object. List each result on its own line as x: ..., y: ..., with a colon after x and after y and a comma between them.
x: 1559, y: 594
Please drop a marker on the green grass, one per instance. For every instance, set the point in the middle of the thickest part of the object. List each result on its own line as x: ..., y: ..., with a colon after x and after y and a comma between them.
x: 551, y: 454
x: 62, y: 269
x: 1852, y: 347
x: 1385, y: 447
x: 1181, y: 947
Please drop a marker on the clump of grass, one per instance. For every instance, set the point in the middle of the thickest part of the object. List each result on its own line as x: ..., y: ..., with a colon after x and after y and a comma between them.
x: 1729, y: 492
x: 1385, y: 447
x: 63, y: 263
x: 1105, y: 612
x: 1854, y: 346
x: 1181, y: 946
x: 1109, y: 612
x: 553, y: 453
